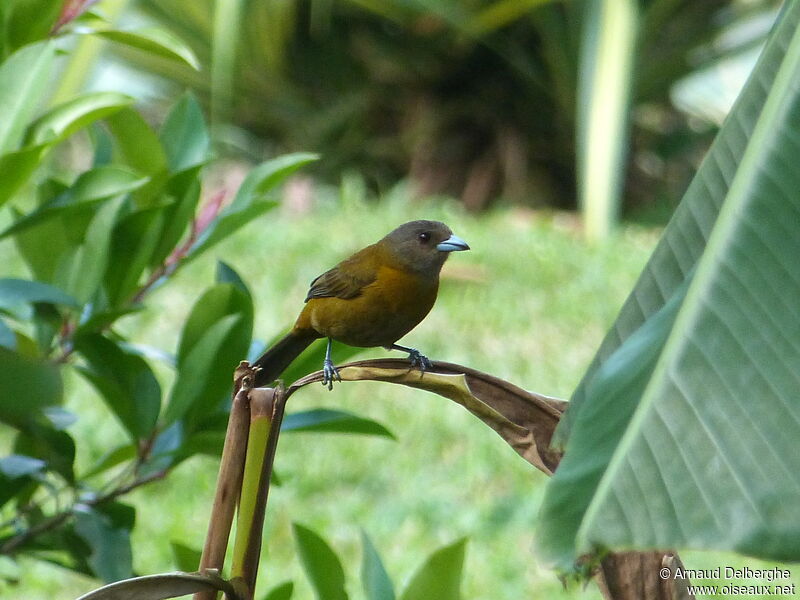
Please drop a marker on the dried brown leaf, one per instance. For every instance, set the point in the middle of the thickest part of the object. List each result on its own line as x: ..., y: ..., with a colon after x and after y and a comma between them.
x: 525, y: 420
x: 158, y: 587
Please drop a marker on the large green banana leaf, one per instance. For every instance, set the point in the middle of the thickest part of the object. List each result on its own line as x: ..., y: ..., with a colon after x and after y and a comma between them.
x: 684, y: 431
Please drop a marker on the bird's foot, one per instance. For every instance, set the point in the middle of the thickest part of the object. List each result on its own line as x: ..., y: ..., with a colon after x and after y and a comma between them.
x: 330, y: 374
x: 419, y: 360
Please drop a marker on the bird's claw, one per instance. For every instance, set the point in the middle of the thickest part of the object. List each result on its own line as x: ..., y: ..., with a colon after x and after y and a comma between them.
x: 419, y: 360
x: 329, y: 374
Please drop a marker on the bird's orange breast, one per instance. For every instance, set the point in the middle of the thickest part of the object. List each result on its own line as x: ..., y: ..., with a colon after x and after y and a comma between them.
x: 384, y: 311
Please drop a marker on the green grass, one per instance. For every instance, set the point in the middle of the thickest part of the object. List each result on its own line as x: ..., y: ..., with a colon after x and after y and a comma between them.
x: 529, y: 303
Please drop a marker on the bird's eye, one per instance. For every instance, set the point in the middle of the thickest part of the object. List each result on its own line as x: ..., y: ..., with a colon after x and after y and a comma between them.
x: 424, y: 236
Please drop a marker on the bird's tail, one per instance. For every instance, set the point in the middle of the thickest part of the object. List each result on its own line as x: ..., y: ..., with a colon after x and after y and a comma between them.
x: 275, y: 360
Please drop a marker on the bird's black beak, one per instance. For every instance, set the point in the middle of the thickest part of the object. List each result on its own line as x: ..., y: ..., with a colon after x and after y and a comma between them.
x: 452, y: 244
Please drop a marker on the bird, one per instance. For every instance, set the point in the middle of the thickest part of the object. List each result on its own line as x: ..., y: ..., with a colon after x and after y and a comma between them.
x: 370, y: 299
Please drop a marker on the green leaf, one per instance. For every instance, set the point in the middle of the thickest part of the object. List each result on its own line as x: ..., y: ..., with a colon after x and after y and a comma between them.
x: 104, y: 182
x: 685, y: 426
x: 282, y: 591
x: 609, y: 34
x: 107, y: 531
x: 94, y: 322
x: 322, y: 566
x: 56, y: 448
x: 227, y: 274
x: 185, y: 558
x: 374, y: 578
x: 30, y: 21
x: 137, y: 144
x: 184, y: 135
x: 48, y: 249
x: 214, y: 339
x: 184, y: 190
x: 67, y: 118
x: 19, y: 465
x: 8, y: 339
x: 440, y: 575
x: 204, y: 375
x: 111, y: 459
x: 221, y: 300
x: 26, y: 386
x: 124, y: 380
x: 250, y: 200
x: 133, y: 243
x: 92, y: 256
x: 333, y: 421
x: 15, y: 291
x: 155, y: 41
x: 24, y: 77
x: 17, y: 168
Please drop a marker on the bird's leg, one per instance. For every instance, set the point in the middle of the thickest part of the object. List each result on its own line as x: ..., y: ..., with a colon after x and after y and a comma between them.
x: 329, y: 372
x: 417, y: 359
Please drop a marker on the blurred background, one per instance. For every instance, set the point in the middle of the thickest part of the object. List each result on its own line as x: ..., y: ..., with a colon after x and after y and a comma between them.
x: 556, y: 137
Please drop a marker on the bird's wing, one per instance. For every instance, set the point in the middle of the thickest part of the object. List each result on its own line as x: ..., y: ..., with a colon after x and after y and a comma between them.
x: 340, y: 282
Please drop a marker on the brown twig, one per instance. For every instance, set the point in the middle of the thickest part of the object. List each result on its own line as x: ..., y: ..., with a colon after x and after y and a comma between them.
x: 229, y: 483
x: 56, y: 520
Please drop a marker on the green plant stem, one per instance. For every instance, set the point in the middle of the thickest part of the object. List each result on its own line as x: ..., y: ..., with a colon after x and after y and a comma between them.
x: 266, y: 414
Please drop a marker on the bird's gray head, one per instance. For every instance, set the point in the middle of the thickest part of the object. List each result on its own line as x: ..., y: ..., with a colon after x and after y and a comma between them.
x: 423, y: 246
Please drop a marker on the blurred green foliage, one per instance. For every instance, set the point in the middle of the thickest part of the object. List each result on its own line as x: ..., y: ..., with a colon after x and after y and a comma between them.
x: 476, y: 98
x: 96, y: 238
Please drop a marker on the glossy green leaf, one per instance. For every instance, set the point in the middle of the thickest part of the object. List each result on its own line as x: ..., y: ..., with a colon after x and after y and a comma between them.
x: 94, y: 322
x: 205, y: 373
x: 185, y: 558
x: 282, y: 591
x: 104, y: 182
x: 374, y: 578
x: 26, y: 386
x: 8, y: 338
x: 156, y: 41
x: 251, y: 199
x: 227, y: 274
x: 24, y: 77
x: 65, y: 119
x: 219, y: 301
x: 440, y: 576
x: 322, y: 566
x: 92, y: 256
x: 684, y: 429
x: 333, y: 421
x: 111, y: 459
x: 15, y: 291
x: 19, y: 465
x: 56, y: 448
x: 29, y: 21
x: 184, y: 135
x: 48, y: 249
x: 124, y: 380
x: 184, y: 190
x: 214, y: 339
x: 107, y: 531
x: 99, y: 183
x: 17, y: 168
x: 136, y: 143
x: 134, y: 240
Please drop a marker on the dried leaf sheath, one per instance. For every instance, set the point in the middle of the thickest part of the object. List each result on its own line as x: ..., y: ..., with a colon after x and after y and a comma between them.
x: 525, y: 420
